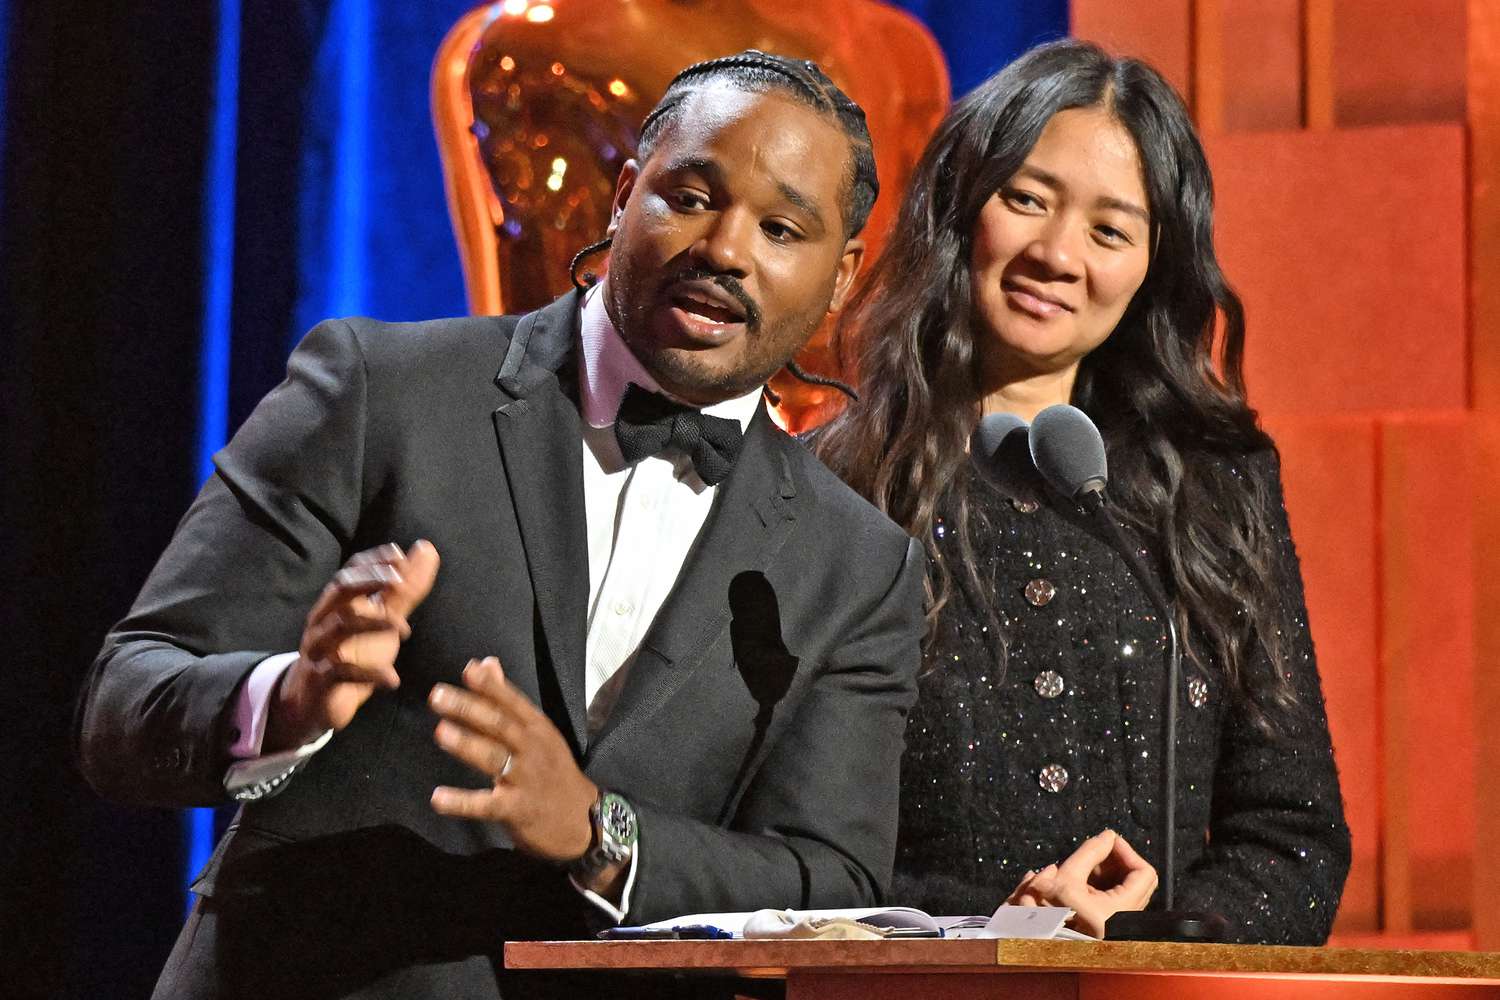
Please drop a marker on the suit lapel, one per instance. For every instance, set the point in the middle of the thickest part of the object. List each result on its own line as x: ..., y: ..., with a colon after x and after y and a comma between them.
x: 541, y: 446
x: 748, y: 524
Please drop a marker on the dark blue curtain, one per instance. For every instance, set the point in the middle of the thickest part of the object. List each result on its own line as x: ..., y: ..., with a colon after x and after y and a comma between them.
x: 184, y: 189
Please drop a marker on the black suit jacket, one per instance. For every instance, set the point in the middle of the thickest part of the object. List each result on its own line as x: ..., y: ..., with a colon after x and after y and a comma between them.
x: 758, y: 733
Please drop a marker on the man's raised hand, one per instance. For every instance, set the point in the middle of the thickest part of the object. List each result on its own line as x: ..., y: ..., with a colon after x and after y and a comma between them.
x: 350, y: 642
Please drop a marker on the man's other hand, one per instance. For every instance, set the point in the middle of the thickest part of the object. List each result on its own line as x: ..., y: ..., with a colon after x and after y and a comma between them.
x: 537, y: 791
x: 350, y: 642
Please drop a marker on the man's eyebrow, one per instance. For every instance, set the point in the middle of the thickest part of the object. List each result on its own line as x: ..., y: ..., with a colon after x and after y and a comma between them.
x: 696, y: 164
x: 1056, y: 183
x: 802, y: 201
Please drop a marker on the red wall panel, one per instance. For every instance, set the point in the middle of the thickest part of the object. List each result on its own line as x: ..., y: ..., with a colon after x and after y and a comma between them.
x: 1348, y: 249
x: 1154, y: 30
x: 1427, y: 654
x: 1485, y: 732
x: 1398, y: 61
x: 1330, y: 473
x: 1262, y: 62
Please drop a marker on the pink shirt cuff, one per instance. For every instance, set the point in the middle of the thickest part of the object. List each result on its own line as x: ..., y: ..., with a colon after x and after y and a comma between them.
x: 253, y: 705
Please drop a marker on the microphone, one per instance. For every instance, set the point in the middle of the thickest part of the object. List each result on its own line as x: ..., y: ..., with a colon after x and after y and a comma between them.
x: 1068, y: 451
x: 987, y: 440
x: 991, y: 433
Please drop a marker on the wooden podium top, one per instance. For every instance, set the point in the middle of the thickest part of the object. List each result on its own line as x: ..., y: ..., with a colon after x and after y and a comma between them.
x: 778, y: 959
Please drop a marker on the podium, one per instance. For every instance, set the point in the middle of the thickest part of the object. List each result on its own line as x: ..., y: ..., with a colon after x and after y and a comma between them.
x: 1044, y: 970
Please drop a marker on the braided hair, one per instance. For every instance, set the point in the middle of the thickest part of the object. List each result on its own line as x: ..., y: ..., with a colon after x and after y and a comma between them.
x: 802, y: 79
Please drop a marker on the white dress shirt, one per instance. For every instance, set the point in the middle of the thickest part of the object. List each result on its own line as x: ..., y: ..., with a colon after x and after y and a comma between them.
x: 641, y: 521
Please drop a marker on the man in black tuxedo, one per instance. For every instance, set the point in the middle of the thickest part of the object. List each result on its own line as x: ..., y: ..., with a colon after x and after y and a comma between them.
x: 698, y: 647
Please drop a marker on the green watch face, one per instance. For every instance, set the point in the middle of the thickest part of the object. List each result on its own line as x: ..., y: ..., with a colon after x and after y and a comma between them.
x: 618, y: 819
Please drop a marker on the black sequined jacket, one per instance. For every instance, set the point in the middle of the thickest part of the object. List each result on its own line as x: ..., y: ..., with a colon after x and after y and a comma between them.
x: 1009, y: 770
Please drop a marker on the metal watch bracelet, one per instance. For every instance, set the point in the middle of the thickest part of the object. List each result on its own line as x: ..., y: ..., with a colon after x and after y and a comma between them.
x: 614, y: 836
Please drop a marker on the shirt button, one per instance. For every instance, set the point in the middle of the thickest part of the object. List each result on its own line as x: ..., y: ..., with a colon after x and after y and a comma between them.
x: 1049, y: 684
x: 623, y: 607
x: 1039, y: 592
x: 1053, y: 778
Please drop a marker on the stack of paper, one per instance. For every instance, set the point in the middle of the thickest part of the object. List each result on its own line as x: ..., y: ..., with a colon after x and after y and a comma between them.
x: 881, y: 922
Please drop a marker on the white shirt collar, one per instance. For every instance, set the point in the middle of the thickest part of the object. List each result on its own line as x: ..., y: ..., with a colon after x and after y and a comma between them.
x: 606, y: 367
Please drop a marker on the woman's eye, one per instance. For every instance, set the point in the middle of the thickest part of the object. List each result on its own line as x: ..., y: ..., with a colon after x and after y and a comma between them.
x: 1112, y: 236
x: 1024, y: 200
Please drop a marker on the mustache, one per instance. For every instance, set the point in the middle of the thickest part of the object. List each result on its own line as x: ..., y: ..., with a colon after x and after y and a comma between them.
x: 729, y: 283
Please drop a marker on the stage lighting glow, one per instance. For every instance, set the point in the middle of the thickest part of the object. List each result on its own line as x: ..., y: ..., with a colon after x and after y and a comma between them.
x: 218, y: 293
x: 539, y: 14
x: 349, y: 211
x: 618, y: 88
x: 559, y: 167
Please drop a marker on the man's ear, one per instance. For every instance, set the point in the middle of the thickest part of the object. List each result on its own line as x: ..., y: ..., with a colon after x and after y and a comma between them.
x: 624, y: 185
x: 848, y: 270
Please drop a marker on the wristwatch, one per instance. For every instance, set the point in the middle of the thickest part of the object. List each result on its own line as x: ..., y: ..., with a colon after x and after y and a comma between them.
x: 615, y: 833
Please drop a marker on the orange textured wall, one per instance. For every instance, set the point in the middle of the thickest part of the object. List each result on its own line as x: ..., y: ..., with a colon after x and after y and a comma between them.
x: 1334, y: 510
x: 1399, y: 60
x: 1347, y: 247
x: 1356, y: 154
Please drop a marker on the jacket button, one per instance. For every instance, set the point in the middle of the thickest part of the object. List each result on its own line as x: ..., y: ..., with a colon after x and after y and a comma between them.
x: 1049, y: 684
x: 1039, y: 592
x: 1025, y: 505
x: 1053, y: 778
x: 1197, y: 692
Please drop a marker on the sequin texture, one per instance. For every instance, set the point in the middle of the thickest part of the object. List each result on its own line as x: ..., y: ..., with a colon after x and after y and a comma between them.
x: 983, y: 793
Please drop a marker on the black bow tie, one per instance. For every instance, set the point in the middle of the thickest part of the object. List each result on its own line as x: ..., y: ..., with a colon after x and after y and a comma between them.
x: 649, y: 423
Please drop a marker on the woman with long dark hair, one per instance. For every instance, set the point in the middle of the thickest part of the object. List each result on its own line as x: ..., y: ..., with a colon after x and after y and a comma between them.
x: 1056, y: 246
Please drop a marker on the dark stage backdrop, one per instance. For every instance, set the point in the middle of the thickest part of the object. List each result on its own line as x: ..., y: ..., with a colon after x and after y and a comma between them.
x: 186, y: 188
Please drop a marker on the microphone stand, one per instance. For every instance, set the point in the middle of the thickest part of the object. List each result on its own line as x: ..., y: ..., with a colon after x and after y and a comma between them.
x: 1165, y: 924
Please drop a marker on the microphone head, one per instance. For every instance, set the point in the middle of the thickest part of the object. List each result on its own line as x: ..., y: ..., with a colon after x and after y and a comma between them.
x: 992, y: 431
x: 1068, y: 451
x: 988, y: 451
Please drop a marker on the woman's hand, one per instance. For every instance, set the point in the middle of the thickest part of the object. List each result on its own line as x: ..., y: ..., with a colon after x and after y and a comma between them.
x: 1102, y: 877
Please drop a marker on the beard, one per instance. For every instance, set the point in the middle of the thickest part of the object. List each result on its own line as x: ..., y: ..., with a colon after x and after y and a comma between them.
x: 699, y: 374
x: 685, y: 373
